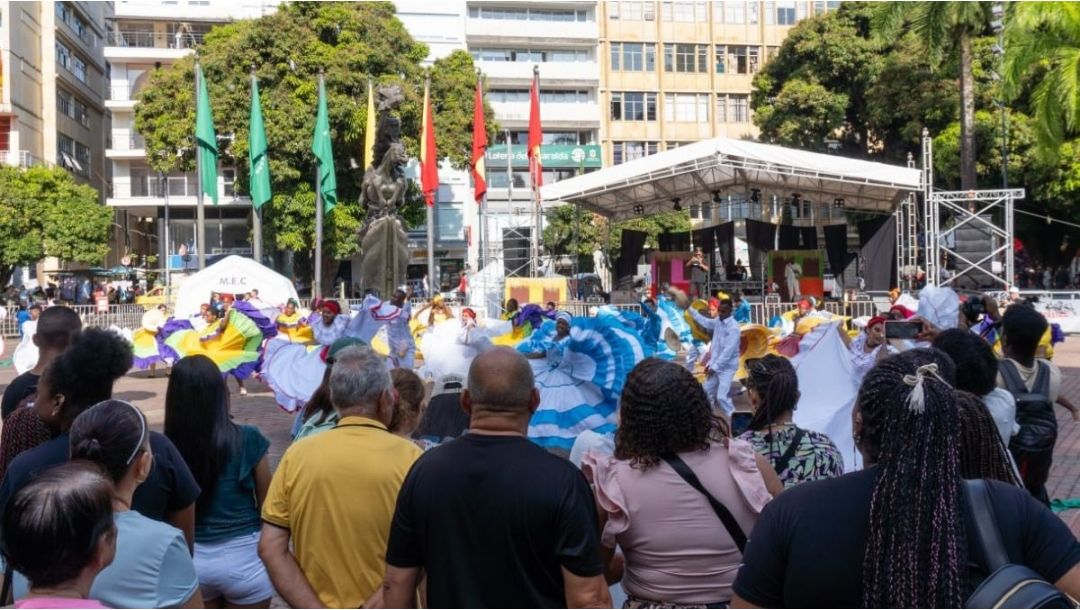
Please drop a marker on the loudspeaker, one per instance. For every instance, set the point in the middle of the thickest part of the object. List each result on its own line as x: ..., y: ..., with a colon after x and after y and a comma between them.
x: 516, y: 246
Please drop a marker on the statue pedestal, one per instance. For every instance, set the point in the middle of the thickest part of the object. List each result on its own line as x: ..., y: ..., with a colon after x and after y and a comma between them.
x: 385, y: 256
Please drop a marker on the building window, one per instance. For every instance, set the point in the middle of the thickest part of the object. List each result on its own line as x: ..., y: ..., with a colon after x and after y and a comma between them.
x: 72, y: 156
x: 527, y: 14
x: 685, y: 57
x: 686, y: 107
x: 631, y: 11
x: 721, y: 108
x: 770, y: 12
x: 687, y: 12
x: 63, y: 55
x: 740, y: 109
x: 754, y: 59
x: 633, y: 106
x: 735, y: 12
x: 824, y: 7
x: 63, y: 102
x: 785, y: 12
x: 628, y: 151
x: 633, y: 57
x: 752, y: 12
x: 229, y: 179
x: 531, y: 55
x: 570, y: 96
x: 78, y: 68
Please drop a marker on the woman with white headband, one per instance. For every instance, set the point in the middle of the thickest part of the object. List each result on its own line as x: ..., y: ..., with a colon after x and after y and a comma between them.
x: 152, y: 567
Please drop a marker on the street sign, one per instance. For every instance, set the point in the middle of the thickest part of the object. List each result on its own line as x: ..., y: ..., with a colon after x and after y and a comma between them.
x: 553, y: 155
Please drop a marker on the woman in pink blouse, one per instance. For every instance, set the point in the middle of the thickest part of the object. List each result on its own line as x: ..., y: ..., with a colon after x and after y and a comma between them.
x: 679, y: 497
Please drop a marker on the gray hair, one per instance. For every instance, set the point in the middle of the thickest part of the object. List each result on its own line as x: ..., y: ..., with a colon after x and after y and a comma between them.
x: 358, y: 377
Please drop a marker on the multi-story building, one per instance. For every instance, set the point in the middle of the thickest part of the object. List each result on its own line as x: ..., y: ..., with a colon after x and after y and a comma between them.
x: 678, y: 72
x: 146, y: 35
x: 53, y: 81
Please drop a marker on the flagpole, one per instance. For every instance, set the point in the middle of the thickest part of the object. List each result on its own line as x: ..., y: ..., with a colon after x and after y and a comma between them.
x: 256, y: 212
x: 482, y: 219
x: 200, y: 211
x: 533, y: 179
x: 433, y: 281
x: 316, y: 284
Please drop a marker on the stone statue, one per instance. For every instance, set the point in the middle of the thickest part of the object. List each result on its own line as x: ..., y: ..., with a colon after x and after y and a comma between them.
x: 383, y: 242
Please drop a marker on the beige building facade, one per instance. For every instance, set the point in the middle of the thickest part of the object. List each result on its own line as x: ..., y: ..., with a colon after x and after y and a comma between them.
x: 673, y: 73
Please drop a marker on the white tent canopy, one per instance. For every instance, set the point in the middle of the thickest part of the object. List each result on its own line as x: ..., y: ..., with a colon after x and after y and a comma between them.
x: 728, y: 166
x: 233, y: 275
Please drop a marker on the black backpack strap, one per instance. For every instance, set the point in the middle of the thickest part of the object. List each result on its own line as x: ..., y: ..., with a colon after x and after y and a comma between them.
x: 785, y: 460
x: 1011, y: 376
x: 982, y: 512
x: 730, y: 524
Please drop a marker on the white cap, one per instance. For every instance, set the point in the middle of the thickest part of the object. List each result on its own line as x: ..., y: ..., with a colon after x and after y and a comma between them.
x: 1014, y: 290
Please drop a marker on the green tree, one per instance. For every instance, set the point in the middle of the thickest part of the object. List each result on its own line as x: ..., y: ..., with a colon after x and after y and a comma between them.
x: 44, y: 212
x: 1042, y: 54
x: 350, y: 42
x: 816, y: 86
x: 945, y: 28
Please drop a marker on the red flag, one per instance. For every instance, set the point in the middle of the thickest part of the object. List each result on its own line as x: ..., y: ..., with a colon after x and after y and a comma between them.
x: 536, y: 136
x: 429, y: 159
x: 479, y: 145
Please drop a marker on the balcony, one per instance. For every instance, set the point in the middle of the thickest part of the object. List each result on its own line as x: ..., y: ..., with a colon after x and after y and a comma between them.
x: 552, y: 115
x: 121, y: 97
x: 552, y: 72
x: 144, y: 188
x: 131, y: 147
x: 514, y: 32
x: 149, y: 46
x: 20, y: 158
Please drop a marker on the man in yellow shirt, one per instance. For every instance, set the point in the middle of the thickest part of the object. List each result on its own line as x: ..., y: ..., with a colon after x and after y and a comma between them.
x: 333, y: 494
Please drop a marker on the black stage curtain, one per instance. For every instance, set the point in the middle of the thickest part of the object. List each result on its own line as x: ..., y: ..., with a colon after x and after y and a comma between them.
x: 706, y: 240
x: 798, y: 238
x: 725, y: 239
x: 877, y: 238
x: 674, y: 242
x: 761, y: 237
x: 630, y: 249
x: 836, y: 248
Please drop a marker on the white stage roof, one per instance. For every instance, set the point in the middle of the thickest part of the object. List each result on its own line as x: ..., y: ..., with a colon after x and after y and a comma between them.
x: 694, y: 171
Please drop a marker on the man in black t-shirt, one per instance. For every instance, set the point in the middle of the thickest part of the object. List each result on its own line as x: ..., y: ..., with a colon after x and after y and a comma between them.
x: 492, y: 519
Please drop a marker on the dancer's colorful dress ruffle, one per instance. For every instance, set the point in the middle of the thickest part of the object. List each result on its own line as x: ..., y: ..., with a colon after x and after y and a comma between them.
x: 294, y: 328
x: 450, y: 347
x: 580, y: 378
x: 233, y: 343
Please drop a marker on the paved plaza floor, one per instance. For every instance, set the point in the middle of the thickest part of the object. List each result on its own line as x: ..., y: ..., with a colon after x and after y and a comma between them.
x: 259, y: 408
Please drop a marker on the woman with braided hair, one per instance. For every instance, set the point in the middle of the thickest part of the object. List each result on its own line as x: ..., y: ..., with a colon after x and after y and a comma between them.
x: 896, y: 533
x: 796, y: 454
x: 982, y: 454
x: 679, y: 552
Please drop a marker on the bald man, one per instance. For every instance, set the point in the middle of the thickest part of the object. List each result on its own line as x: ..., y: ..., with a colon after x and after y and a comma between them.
x: 492, y: 519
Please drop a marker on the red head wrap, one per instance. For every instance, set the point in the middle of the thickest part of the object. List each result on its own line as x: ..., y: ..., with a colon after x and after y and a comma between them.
x: 804, y: 304
x: 332, y: 306
x: 874, y: 321
x: 468, y: 312
x: 714, y: 302
x: 227, y: 298
x: 904, y: 311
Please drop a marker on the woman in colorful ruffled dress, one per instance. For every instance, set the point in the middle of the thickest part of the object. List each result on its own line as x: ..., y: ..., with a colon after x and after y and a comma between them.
x: 292, y: 325
x: 231, y: 339
x: 580, y: 365
x: 144, y: 344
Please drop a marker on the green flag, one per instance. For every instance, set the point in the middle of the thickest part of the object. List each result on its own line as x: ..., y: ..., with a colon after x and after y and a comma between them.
x: 324, y: 152
x: 205, y: 139
x: 258, y: 166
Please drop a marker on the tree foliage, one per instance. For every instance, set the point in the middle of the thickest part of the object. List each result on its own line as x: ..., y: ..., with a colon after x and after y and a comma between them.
x: 351, y: 43
x: 1043, y: 60
x: 594, y: 232
x: 44, y: 212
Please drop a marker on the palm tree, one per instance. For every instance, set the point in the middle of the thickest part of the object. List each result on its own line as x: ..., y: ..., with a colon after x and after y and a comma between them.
x: 1042, y: 41
x: 945, y: 28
